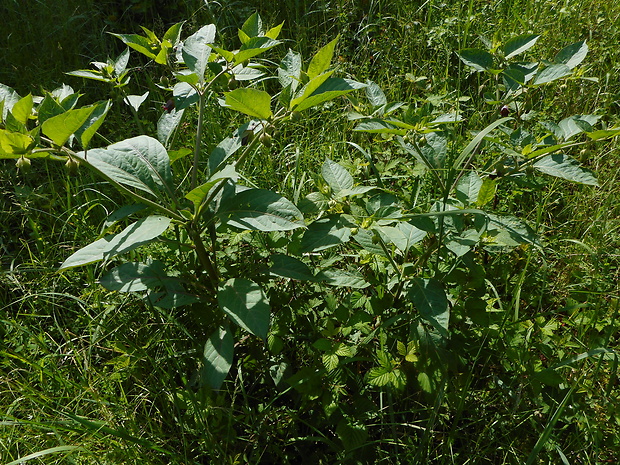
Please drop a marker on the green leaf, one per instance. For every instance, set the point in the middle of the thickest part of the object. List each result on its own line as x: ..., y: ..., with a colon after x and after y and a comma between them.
x: 135, y: 277
x: 519, y: 44
x: 337, y: 177
x: 353, y: 436
x: 572, y: 55
x: 290, y: 267
x: 167, y: 124
x: 246, y: 304
x: 577, y: 124
x: 173, y: 34
x: 486, y: 192
x: 604, y: 133
x: 140, y: 162
x: 184, y: 95
x: 90, y: 74
x: 135, y: 101
x: 48, y: 108
x: 431, y: 301
x: 252, y: 102
x: 480, y: 60
x: 197, y: 195
x: 364, y: 238
x: 510, y: 231
x: 253, y: 47
x: 342, y: 278
x: 217, y: 357
x: 59, y: 128
x: 565, y: 167
x: 9, y: 98
x: 468, y: 188
x: 23, y: 109
x: 263, y: 210
x: 121, y: 62
x: 133, y: 236
x: 329, y: 90
x: 140, y: 43
x: 253, y: 27
x: 403, y: 236
x: 274, y: 32
x: 15, y: 144
x: 379, y: 126
x: 325, y: 233
x: 86, y: 132
x: 196, y: 50
x: 289, y: 71
x: 551, y: 73
x: 309, y: 88
x: 226, y: 148
x: 374, y: 94
x: 322, y: 59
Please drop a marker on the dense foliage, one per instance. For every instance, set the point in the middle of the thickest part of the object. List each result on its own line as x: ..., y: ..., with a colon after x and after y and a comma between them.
x: 235, y: 247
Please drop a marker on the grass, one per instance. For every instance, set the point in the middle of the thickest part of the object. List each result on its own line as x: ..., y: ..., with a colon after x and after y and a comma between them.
x: 88, y: 376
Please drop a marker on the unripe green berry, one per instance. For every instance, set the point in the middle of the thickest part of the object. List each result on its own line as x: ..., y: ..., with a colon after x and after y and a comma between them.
x: 23, y: 165
x: 232, y: 83
x: 71, y: 166
x: 295, y: 116
x: 266, y: 139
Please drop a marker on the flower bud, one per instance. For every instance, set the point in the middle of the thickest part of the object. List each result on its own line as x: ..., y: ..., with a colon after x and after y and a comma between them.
x: 169, y: 105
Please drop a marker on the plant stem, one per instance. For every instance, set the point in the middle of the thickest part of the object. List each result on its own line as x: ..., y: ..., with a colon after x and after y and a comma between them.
x: 201, y: 109
x: 203, y: 257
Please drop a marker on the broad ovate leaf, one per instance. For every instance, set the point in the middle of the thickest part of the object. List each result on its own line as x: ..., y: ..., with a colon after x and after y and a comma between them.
x: 139, y: 233
x: 217, y: 357
x: 551, y: 73
x: 429, y: 298
x: 329, y: 90
x: 259, y: 209
x: 322, y: 59
x: 94, y: 121
x: 572, y: 55
x: 519, y: 44
x: 246, y: 304
x: 479, y: 60
x: 565, y: 167
x: 252, y: 102
x: 60, y: 127
x: 140, y: 162
x: 196, y: 50
x: 336, y: 176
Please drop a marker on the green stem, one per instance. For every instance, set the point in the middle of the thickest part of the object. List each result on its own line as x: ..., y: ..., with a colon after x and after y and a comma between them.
x: 203, y: 257
x: 201, y: 109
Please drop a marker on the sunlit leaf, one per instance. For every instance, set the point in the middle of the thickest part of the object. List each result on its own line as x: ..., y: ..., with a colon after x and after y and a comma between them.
x: 572, y: 55
x: 252, y: 102
x: 133, y: 236
x: 565, y: 167
x: 322, y: 59
x: 519, y: 44
x: 480, y: 60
